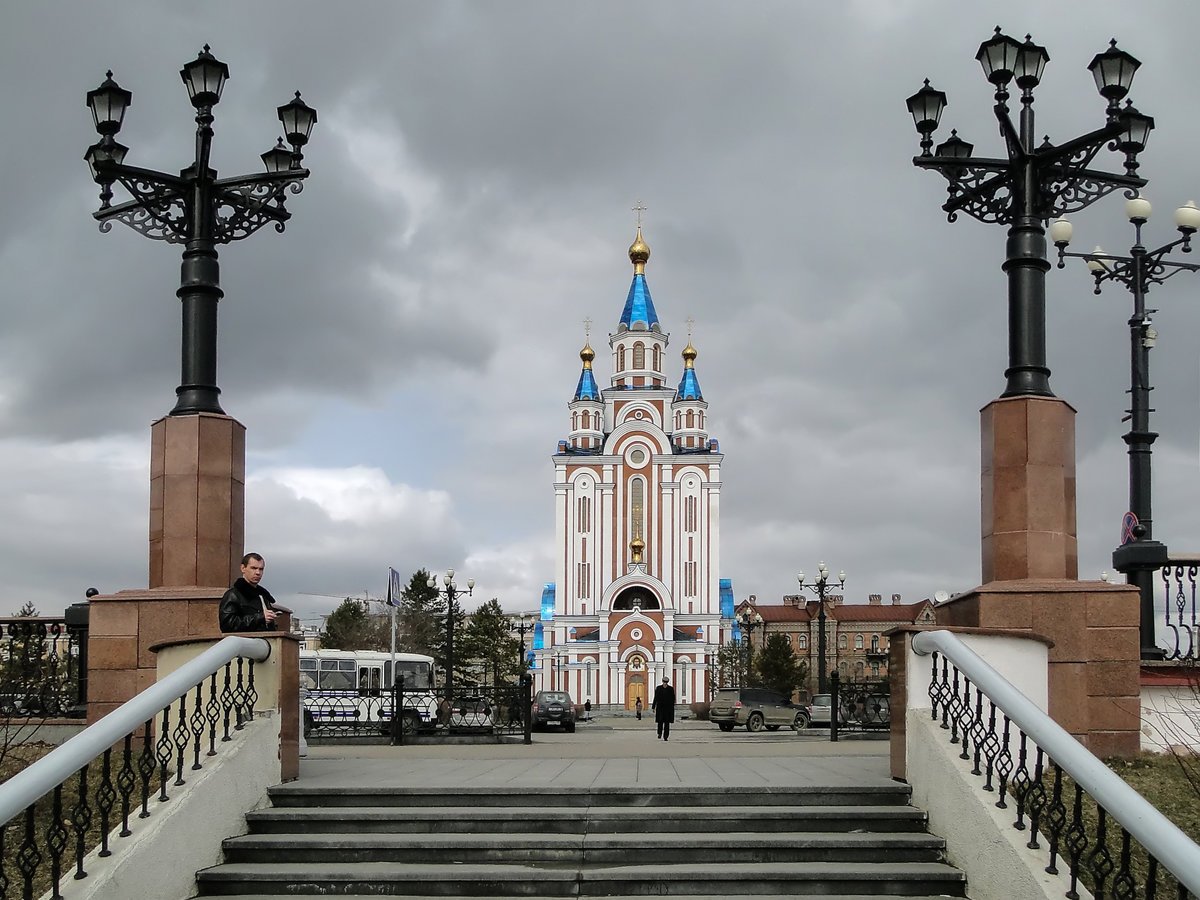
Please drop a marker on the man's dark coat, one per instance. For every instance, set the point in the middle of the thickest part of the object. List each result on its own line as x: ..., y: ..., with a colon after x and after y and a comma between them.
x: 241, y: 609
x: 664, y: 703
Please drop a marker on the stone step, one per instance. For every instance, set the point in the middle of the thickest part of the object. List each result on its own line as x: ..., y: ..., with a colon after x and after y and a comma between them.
x: 568, y: 820
x: 584, y: 850
x: 397, y: 879
x: 300, y: 794
x: 625, y: 897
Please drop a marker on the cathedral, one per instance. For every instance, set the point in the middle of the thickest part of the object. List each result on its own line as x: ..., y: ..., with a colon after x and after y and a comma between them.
x: 637, y: 487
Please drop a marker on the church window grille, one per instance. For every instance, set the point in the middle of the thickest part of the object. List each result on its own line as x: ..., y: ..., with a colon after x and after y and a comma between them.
x: 636, y: 507
x: 657, y: 359
x: 639, y: 355
x: 620, y: 359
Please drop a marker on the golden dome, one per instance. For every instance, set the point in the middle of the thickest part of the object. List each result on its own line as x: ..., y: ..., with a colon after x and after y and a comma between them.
x: 587, y: 354
x: 689, y: 355
x: 637, y: 546
x: 639, y: 252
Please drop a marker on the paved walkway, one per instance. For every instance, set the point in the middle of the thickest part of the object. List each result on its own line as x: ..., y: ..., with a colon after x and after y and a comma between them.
x: 616, y: 752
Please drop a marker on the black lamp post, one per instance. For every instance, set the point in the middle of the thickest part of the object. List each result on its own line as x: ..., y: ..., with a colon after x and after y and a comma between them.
x: 749, y: 619
x: 451, y: 592
x: 1139, y: 555
x: 522, y: 624
x: 1034, y: 183
x: 821, y: 588
x: 196, y: 209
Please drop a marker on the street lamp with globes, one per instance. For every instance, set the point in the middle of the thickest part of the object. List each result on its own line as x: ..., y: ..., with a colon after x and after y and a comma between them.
x: 821, y: 588
x: 749, y: 619
x: 1139, y: 555
x: 450, y: 591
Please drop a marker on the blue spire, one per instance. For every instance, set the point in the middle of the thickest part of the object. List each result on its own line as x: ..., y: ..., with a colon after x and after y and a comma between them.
x: 689, y: 384
x: 587, y: 389
x: 639, y: 307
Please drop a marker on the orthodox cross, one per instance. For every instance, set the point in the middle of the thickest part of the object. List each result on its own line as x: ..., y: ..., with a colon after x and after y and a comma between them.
x: 639, y: 209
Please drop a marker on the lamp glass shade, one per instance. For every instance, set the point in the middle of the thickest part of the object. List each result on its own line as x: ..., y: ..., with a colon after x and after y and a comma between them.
x: 449, y: 573
x: 1137, y: 209
x: 955, y: 147
x: 298, y: 119
x: 1061, y: 230
x: 800, y: 577
x: 205, y: 78
x: 278, y: 158
x: 470, y: 584
x: 1096, y: 265
x: 1031, y: 62
x: 432, y: 582
x: 1113, y: 70
x: 105, y: 151
x: 1137, y: 128
x: 108, y: 104
x: 926, y: 106
x: 1187, y: 217
x: 998, y: 57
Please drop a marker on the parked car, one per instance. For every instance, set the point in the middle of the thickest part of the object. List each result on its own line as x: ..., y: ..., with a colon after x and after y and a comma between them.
x: 819, y: 710
x: 755, y: 708
x: 553, y: 708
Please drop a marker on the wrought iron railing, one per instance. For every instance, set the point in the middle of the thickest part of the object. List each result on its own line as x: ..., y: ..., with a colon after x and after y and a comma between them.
x: 1182, y: 632
x: 862, y: 706
x: 43, y: 668
x: 59, y: 809
x: 1105, y: 833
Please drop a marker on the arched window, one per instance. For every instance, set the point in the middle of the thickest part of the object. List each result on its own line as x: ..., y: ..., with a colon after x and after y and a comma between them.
x: 691, y: 419
x: 874, y: 643
x: 802, y: 641
x: 657, y: 359
x: 620, y: 359
x: 842, y: 642
x: 639, y: 355
x: 858, y: 642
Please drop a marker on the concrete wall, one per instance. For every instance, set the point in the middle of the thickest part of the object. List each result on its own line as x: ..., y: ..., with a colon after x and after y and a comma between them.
x: 183, y: 835
x: 980, y: 838
x: 1170, y: 718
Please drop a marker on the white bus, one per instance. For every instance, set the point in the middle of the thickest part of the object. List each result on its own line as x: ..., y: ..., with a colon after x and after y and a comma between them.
x: 350, y: 691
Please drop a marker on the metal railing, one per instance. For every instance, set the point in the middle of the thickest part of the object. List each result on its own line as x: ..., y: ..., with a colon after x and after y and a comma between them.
x: 859, y: 707
x: 1182, y: 632
x: 1025, y: 757
x: 43, y: 668
x: 69, y: 801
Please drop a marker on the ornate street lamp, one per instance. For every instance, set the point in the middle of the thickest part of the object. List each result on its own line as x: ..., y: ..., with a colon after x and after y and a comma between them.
x: 749, y: 619
x: 195, y: 208
x: 522, y: 624
x: 451, y: 592
x: 821, y: 588
x: 1139, y: 555
x: 1033, y: 182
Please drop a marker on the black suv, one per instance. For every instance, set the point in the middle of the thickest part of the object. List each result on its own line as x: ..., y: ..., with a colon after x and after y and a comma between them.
x: 553, y: 708
x: 756, y: 708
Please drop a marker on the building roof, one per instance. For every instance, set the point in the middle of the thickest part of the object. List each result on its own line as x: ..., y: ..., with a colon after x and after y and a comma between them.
x: 587, y: 389
x: 843, y: 612
x: 689, y: 385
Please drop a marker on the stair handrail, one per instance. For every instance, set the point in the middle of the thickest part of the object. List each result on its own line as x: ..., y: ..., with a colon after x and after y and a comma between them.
x: 59, y: 764
x: 1154, y: 831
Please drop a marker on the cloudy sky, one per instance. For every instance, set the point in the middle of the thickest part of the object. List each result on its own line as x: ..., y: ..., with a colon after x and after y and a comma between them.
x: 402, y: 356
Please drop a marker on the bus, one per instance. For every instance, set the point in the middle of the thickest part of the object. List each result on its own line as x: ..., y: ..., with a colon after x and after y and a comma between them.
x: 350, y: 691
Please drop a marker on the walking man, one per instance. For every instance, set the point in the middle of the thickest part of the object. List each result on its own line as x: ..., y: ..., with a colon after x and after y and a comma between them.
x: 664, y: 708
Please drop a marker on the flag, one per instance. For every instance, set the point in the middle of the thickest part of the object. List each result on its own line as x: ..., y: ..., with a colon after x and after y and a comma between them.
x: 394, y: 591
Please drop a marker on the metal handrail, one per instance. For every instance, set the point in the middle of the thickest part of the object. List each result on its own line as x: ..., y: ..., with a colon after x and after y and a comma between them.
x: 1154, y: 831
x: 55, y: 767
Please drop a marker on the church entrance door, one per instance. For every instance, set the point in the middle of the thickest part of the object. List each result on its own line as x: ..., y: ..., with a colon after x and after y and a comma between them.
x: 635, y: 690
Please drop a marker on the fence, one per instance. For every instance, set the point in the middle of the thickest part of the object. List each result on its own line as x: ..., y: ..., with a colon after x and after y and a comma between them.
x: 43, y: 667
x: 1181, y: 633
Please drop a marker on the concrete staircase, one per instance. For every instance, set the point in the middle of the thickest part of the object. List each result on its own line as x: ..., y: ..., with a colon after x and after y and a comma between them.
x: 839, y: 843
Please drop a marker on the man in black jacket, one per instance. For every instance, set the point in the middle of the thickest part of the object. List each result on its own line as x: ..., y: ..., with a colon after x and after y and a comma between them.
x: 664, y: 708
x: 248, y: 606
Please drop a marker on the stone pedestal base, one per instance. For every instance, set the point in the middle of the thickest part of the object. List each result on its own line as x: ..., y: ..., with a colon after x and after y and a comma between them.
x: 197, y: 500
x: 124, y: 626
x: 1094, y: 691
x: 1028, y: 489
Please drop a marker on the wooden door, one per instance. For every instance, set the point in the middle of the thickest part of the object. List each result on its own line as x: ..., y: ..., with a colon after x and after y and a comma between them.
x: 636, y: 689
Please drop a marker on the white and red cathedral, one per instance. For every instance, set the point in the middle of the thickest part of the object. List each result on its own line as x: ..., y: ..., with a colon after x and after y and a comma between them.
x: 637, y: 488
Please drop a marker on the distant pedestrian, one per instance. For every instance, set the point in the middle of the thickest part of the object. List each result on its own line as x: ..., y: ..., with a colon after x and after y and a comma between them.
x: 248, y: 606
x: 664, y: 708
x: 637, y: 708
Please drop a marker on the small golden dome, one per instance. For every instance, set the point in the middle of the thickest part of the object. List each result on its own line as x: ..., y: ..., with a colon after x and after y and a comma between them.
x: 587, y: 354
x: 637, y: 546
x: 689, y: 355
x: 639, y: 252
